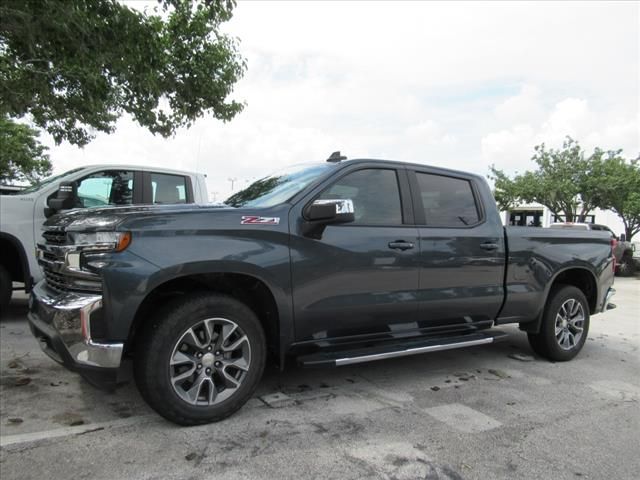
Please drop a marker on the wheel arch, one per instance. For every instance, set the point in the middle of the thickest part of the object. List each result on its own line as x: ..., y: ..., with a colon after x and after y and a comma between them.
x: 579, y: 277
x: 252, y: 290
x: 14, y: 258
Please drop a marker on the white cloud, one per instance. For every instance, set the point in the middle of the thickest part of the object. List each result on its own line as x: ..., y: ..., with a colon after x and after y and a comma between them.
x: 525, y: 106
x: 508, y: 148
x: 511, y: 148
x: 454, y: 84
x: 572, y: 117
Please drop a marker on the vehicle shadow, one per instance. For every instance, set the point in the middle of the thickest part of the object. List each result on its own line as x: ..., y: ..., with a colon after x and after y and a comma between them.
x: 17, y: 308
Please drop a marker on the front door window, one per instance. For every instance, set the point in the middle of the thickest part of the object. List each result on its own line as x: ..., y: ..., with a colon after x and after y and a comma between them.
x: 110, y: 187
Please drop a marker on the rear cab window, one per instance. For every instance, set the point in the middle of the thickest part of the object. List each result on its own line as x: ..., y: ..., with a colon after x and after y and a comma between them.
x: 447, y: 201
x: 168, y: 189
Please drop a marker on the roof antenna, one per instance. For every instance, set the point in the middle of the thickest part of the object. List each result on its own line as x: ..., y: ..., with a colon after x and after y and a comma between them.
x: 335, y: 157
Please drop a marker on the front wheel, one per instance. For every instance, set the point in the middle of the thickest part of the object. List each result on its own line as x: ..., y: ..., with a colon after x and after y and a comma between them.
x: 6, y: 288
x: 565, y: 325
x: 201, y: 359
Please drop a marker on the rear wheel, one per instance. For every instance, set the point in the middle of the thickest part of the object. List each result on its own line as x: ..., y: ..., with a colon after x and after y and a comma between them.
x: 626, y: 267
x: 6, y: 287
x: 201, y: 360
x: 565, y: 324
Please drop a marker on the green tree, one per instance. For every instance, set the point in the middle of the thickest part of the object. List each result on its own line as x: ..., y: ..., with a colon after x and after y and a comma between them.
x: 22, y: 157
x: 74, y: 67
x: 566, y: 181
x: 620, y: 191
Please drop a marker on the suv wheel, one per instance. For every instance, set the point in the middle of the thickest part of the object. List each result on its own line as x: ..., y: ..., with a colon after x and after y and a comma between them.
x: 626, y: 267
x: 565, y: 324
x: 201, y: 360
x: 6, y: 287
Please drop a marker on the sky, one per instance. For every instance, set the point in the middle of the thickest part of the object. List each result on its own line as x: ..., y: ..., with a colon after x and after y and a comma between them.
x: 460, y: 85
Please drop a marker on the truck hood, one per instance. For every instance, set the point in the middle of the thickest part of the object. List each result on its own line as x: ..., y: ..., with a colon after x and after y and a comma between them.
x: 108, y: 218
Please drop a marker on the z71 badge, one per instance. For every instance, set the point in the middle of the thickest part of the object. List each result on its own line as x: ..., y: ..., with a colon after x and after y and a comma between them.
x: 255, y: 220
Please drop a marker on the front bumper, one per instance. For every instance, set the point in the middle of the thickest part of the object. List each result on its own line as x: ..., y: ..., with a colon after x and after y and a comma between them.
x: 62, y: 324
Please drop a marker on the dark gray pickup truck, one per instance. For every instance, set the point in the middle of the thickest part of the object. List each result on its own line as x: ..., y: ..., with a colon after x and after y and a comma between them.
x: 330, y: 263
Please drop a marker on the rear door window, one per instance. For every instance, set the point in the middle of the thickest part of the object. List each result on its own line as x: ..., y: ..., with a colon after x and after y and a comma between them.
x: 447, y: 201
x: 167, y: 189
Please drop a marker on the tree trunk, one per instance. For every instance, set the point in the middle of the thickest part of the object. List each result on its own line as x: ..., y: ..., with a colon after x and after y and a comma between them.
x: 583, y: 214
x: 568, y: 216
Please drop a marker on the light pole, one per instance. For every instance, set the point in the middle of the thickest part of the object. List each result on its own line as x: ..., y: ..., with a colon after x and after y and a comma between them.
x: 233, y: 180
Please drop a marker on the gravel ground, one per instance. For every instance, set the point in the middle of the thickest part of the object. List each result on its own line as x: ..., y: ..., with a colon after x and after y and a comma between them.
x: 477, y: 413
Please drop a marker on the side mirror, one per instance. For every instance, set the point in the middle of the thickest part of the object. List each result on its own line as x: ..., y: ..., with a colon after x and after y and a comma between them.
x: 65, y: 197
x: 331, y: 211
x: 327, y: 212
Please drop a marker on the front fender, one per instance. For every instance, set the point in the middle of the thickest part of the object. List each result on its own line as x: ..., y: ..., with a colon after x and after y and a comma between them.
x: 153, y: 260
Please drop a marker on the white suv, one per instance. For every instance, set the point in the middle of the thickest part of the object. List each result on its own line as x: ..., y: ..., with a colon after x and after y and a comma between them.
x: 23, y: 213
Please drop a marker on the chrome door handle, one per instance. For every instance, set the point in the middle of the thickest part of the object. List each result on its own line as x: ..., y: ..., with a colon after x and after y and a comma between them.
x: 489, y: 246
x: 401, y: 245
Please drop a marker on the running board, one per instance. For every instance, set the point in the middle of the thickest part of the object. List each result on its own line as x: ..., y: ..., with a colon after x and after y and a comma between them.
x: 398, y: 349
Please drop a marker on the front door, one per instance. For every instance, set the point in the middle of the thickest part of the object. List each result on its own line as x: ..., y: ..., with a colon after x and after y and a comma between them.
x: 359, y: 278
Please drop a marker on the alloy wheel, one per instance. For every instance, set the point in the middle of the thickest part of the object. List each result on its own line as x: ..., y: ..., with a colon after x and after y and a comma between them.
x: 209, y: 362
x: 569, y: 325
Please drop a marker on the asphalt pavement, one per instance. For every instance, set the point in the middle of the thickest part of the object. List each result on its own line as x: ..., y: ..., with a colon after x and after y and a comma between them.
x: 484, y: 412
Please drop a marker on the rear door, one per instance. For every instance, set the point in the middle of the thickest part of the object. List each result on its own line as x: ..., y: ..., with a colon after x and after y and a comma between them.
x: 462, y: 254
x: 359, y: 278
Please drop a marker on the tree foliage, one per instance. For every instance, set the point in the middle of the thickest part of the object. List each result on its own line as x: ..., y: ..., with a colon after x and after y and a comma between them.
x: 621, y: 191
x: 22, y: 157
x: 570, y: 183
x: 566, y: 181
x: 74, y: 67
x: 562, y: 182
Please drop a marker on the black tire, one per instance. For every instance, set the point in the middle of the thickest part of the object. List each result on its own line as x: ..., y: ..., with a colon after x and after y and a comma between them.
x: 159, y: 342
x: 6, y: 288
x: 626, y: 268
x: 547, y: 343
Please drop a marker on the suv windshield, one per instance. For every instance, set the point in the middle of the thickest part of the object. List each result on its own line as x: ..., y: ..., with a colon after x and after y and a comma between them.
x: 279, y: 187
x: 47, y: 181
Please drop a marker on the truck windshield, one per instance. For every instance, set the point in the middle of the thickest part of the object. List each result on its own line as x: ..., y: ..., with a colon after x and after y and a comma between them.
x: 37, y: 186
x: 279, y: 187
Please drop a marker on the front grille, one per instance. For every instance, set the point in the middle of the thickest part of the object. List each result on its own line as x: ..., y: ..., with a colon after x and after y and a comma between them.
x: 58, y: 276
x: 55, y: 237
x: 61, y: 282
x: 55, y: 280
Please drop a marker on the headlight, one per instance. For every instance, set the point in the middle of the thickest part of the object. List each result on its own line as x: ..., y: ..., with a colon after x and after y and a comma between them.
x: 111, y: 241
x: 101, y: 222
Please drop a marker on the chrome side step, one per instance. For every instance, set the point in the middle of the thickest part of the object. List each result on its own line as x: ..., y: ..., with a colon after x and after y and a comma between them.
x: 411, y: 351
x: 397, y: 349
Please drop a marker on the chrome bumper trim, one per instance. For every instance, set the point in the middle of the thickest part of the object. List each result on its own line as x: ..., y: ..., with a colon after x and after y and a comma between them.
x: 607, y: 299
x: 69, y: 315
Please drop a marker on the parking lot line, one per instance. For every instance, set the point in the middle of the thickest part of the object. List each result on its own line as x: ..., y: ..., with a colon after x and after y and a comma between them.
x: 21, y: 438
